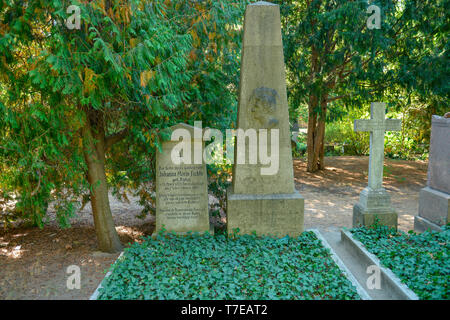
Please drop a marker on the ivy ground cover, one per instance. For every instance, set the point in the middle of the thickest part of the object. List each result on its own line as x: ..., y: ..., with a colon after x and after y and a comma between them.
x: 421, y: 261
x: 220, y: 267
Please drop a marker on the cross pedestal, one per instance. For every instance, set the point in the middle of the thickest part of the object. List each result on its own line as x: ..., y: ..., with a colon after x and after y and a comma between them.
x: 374, y: 201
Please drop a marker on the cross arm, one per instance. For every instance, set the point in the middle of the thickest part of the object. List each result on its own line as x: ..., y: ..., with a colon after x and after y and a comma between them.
x: 393, y: 125
x: 363, y: 125
x: 372, y: 125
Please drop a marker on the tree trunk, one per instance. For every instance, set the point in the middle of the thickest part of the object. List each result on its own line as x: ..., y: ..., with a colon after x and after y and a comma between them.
x: 312, y: 124
x: 313, y: 115
x: 321, y: 136
x: 316, y: 133
x: 94, y: 154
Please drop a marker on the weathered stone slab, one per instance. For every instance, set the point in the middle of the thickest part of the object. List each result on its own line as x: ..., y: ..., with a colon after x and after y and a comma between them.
x: 181, y: 189
x: 264, y: 203
x: 439, y: 160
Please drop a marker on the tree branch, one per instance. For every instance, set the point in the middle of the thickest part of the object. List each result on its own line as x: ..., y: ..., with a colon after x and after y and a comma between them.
x: 114, y: 138
x: 337, y: 98
x: 38, y: 186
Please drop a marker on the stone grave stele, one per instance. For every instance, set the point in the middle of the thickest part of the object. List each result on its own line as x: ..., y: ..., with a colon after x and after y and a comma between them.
x: 181, y: 188
x: 434, y: 199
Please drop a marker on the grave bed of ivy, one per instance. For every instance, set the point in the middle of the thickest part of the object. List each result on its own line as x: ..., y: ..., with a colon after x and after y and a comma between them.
x: 421, y: 261
x: 220, y: 267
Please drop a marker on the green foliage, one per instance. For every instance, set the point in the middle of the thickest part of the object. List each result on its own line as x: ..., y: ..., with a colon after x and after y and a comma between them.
x: 421, y: 261
x: 219, y: 177
x: 335, y: 64
x: 211, y: 92
x: 140, y: 66
x: 299, y: 146
x: 340, y: 132
x: 37, y: 163
x: 411, y: 143
x: 122, y: 69
x: 207, y: 267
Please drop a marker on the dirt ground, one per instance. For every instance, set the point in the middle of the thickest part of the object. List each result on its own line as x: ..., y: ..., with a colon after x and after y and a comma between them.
x: 331, y: 194
x: 33, y: 262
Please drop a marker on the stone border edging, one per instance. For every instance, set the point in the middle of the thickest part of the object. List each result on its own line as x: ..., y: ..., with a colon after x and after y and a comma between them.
x: 421, y: 225
x: 96, y: 293
x: 360, y: 290
x: 388, y: 278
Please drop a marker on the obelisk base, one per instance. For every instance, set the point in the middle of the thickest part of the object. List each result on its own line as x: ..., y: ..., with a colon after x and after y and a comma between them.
x: 274, y: 215
x: 372, y: 205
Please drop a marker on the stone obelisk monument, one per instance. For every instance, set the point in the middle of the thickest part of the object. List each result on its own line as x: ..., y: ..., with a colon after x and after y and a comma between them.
x: 374, y: 201
x: 262, y: 197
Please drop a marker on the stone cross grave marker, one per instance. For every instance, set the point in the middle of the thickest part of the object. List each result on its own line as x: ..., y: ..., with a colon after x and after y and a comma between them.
x: 374, y: 200
x: 181, y: 189
x: 261, y: 201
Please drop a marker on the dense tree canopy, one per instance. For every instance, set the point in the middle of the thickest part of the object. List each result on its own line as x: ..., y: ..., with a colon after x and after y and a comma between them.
x: 74, y: 95
x: 336, y: 62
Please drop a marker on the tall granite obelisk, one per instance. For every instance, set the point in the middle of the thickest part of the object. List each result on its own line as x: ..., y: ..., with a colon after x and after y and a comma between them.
x: 262, y: 197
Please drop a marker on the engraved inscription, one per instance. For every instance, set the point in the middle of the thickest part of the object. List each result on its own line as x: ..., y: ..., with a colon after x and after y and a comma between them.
x: 180, y: 191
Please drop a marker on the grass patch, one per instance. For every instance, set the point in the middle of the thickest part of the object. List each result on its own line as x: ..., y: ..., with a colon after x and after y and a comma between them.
x: 421, y: 261
x: 217, y: 267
